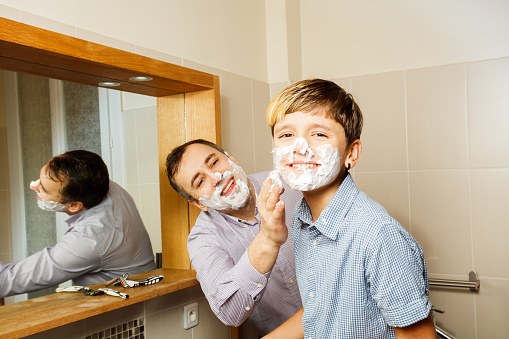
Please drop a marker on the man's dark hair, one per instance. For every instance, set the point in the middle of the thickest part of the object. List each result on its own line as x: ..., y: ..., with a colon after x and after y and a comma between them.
x: 174, y: 159
x: 83, y: 174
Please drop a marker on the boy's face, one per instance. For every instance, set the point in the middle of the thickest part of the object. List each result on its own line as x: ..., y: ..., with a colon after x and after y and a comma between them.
x: 309, y: 150
x: 212, y: 178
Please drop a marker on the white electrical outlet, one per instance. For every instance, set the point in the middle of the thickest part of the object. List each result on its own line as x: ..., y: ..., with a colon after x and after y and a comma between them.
x: 190, y: 315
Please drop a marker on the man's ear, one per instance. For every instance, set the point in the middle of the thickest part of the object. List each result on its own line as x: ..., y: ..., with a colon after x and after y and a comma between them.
x: 354, y: 152
x: 76, y: 207
x: 199, y: 205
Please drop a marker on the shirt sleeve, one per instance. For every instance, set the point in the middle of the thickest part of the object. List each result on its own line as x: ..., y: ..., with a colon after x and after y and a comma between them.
x: 232, y: 289
x: 74, y: 255
x: 397, y: 276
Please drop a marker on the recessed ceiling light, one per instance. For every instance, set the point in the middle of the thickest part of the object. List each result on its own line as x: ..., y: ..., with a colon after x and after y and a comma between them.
x: 109, y: 84
x: 140, y: 78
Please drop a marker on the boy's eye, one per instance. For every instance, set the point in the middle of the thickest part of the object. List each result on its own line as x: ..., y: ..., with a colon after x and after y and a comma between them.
x: 285, y: 135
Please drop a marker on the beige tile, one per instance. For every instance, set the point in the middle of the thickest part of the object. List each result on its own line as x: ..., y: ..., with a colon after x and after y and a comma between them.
x: 209, y: 327
x: 71, y: 331
x: 5, y: 223
x: 345, y: 83
x: 104, y: 40
x: 492, y: 307
x: 262, y: 133
x: 201, y: 67
x: 130, y: 147
x: 168, y: 324
x: 381, y: 98
x: 196, y: 292
x: 36, y: 20
x: 459, y: 317
x: 488, y: 113
x: 5, y: 256
x: 4, y: 169
x: 440, y: 219
x: 146, y: 135
x: 490, y: 213
x: 389, y: 189
x: 168, y: 301
x: 150, y: 53
x: 237, y: 119
x: 134, y: 191
x: 151, y: 213
x: 113, y: 318
x: 436, y: 118
x: 275, y: 88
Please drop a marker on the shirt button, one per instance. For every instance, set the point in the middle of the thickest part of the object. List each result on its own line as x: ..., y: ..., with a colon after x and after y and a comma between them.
x: 311, y: 294
x: 269, y: 279
x: 291, y: 281
x: 314, y: 242
x: 248, y: 308
x: 259, y: 285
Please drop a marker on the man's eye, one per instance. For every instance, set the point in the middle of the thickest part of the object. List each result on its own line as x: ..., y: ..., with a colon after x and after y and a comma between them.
x: 215, y: 162
x: 200, y: 182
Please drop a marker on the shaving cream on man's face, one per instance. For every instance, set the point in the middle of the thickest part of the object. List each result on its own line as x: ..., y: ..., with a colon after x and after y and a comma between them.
x: 47, y: 205
x: 305, y: 169
x: 224, y: 200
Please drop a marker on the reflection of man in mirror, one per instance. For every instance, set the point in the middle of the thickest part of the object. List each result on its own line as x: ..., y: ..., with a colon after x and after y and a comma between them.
x: 105, y: 238
x: 245, y: 269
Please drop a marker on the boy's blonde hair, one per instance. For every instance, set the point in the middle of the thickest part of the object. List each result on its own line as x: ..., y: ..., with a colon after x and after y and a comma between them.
x: 317, y: 94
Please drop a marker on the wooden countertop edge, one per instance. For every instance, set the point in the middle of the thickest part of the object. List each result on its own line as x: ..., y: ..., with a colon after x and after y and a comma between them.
x: 44, y: 313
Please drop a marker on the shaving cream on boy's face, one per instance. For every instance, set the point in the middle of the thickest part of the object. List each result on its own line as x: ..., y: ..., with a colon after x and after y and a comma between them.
x: 46, y: 205
x: 305, y: 169
x: 231, y: 190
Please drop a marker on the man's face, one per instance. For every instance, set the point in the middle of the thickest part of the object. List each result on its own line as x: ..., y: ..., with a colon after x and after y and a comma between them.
x: 48, y: 193
x: 308, y: 150
x: 212, y: 178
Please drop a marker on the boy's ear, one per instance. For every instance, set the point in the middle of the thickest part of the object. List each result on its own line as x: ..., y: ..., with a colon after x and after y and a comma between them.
x: 199, y: 205
x: 353, y: 153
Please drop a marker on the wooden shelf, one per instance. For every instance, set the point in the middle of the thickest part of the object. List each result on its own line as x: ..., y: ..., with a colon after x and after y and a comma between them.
x: 44, y: 313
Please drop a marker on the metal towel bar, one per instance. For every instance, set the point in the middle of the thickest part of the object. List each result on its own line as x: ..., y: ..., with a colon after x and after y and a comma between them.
x: 473, y: 282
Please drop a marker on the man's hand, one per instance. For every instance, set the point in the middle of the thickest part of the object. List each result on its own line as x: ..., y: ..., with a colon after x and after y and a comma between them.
x: 264, y: 248
x: 272, y: 212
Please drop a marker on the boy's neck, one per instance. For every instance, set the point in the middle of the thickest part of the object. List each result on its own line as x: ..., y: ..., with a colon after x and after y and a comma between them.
x: 318, y: 199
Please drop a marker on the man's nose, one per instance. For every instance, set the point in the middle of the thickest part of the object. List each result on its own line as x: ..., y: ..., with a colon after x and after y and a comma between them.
x: 34, y: 185
x: 216, y: 178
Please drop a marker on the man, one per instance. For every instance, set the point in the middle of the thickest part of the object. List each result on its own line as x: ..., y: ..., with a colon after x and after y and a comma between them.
x: 105, y: 238
x: 360, y: 273
x: 243, y: 270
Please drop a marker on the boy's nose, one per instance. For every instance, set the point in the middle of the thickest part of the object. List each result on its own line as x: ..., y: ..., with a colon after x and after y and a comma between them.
x: 300, y: 145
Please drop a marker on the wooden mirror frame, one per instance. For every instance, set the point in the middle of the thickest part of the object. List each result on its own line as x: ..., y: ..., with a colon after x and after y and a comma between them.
x: 188, y: 104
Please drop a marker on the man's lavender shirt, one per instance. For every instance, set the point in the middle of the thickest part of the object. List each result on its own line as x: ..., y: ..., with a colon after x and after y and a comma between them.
x: 217, y: 247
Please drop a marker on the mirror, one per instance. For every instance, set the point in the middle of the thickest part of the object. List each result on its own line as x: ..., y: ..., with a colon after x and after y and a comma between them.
x: 187, y: 103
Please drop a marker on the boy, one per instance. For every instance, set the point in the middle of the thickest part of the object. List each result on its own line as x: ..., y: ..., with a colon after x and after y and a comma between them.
x: 360, y: 273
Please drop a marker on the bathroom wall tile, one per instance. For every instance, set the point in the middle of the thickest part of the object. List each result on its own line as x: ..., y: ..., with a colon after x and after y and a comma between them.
x: 104, y: 40
x: 490, y: 213
x: 35, y: 20
x: 492, y: 308
x: 436, y: 118
x: 150, y: 53
x: 151, y: 213
x: 73, y: 330
x: 168, y: 301
x: 237, y: 119
x: 4, y: 169
x: 381, y: 98
x: 345, y: 83
x: 168, y: 324
x: 130, y: 147
x: 210, y: 327
x: 440, y: 219
x: 5, y: 256
x: 196, y: 292
x: 5, y: 223
x: 146, y: 135
x: 459, y: 317
x: 134, y: 191
x: 277, y: 87
x: 113, y: 318
x: 201, y: 67
x: 488, y: 113
x: 389, y: 189
x: 262, y: 133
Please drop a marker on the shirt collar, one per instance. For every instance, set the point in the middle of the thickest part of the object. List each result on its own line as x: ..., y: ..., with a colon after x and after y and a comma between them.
x: 330, y: 220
